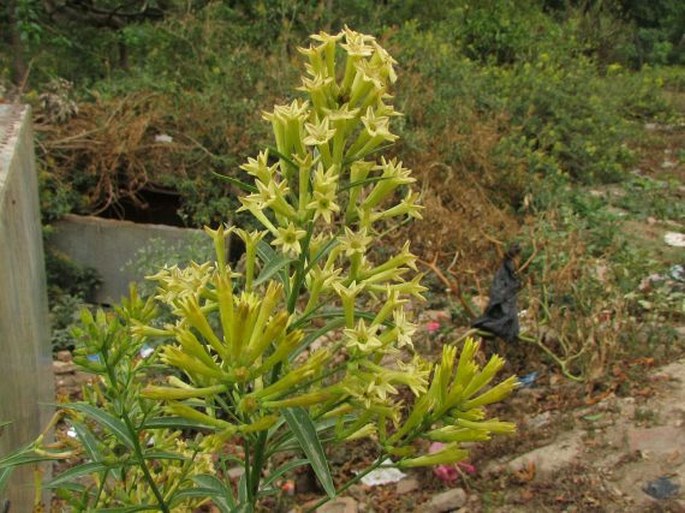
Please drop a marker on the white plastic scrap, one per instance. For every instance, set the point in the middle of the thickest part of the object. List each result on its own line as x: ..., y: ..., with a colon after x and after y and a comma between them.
x: 384, y: 475
x: 163, y: 138
x: 146, y: 351
x: 675, y: 239
x: 71, y: 433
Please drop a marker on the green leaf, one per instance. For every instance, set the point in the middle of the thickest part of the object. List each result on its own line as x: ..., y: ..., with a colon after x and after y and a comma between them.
x: 220, y: 493
x: 130, y: 509
x: 365, y: 181
x: 160, y: 455
x: 300, y: 423
x: 238, y: 183
x: 73, y: 488
x: 314, y: 335
x: 83, y: 469
x: 322, y: 252
x: 23, y: 456
x: 5, y: 474
x: 88, y: 441
x: 290, y: 443
x: 282, y: 157
x: 173, y: 423
x: 272, y: 266
x: 110, y: 422
x: 243, y: 498
x: 267, y: 254
x: 282, y: 470
x: 360, y: 156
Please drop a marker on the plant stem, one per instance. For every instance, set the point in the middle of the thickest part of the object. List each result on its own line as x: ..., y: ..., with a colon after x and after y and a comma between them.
x: 300, y: 272
x: 143, y: 466
x: 258, y: 463
x: 134, y: 436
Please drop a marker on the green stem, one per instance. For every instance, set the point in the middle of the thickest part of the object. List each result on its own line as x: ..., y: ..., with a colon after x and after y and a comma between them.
x: 258, y: 463
x: 300, y: 273
x: 134, y: 436
x: 143, y: 466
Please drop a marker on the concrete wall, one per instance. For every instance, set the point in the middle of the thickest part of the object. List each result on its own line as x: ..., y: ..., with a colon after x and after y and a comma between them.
x: 109, y: 246
x: 26, y: 382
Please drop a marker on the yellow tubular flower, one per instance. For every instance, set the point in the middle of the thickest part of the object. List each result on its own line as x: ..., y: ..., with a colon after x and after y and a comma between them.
x: 289, y: 239
x: 171, y: 393
x: 451, y: 453
x: 195, y: 368
x: 330, y: 42
x: 324, y: 205
x: 259, y: 339
x: 251, y: 240
x: 196, y: 318
x: 362, y: 338
x: 187, y: 412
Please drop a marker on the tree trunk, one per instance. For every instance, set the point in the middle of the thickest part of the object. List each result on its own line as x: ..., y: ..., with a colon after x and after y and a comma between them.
x: 18, y: 62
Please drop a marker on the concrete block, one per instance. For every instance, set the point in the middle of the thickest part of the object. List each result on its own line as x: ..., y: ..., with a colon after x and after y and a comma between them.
x: 109, y: 246
x: 26, y: 386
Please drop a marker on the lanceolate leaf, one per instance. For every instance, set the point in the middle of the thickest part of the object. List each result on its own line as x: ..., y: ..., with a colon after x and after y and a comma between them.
x: 238, y: 183
x: 267, y: 254
x: 272, y: 266
x: 130, y: 509
x: 111, y: 423
x: 88, y: 440
x: 300, y: 423
x: 365, y: 181
x: 322, y: 252
x: 220, y: 494
x: 4, y: 477
x: 160, y: 455
x: 80, y: 470
x: 311, y: 337
x: 282, y: 470
x: 22, y: 456
x: 173, y: 423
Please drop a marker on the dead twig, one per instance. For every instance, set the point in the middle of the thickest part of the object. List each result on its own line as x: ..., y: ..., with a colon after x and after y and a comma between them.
x: 452, y: 287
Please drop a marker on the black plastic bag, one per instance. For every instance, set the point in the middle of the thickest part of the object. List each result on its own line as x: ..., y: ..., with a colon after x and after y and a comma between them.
x: 501, y: 315
x: 662, y: 488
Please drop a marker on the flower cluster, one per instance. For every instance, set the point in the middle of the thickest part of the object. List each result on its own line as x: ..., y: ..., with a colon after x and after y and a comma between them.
x: 245, y: 341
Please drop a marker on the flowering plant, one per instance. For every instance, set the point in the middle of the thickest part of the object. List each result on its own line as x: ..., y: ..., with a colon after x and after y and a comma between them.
x: 311, y: 341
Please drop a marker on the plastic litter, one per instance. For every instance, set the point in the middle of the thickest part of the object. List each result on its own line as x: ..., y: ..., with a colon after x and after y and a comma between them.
x: 146, y: 351
x: 501, y: 315
x: 384, y: 475
x: 528, y: 380
x: 675, y: 239
x: 164, y: 138
x: 661, y: 488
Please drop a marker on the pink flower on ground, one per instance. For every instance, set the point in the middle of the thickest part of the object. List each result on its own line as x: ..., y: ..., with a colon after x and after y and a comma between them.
x: 448, y: 474
x: 432, y: 326
x: 288, y: 487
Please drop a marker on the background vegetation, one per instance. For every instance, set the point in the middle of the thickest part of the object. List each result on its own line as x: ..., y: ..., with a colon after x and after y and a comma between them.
x: 548, y: 122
